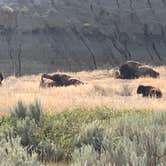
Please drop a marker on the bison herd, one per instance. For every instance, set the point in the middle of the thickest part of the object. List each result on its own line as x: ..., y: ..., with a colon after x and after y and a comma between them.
x: 128, y: 70
x: 133, y: 70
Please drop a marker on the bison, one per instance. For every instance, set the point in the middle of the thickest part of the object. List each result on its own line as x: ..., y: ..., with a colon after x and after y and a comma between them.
x: 134, y: 69
x: 128, y: 70
x: 73, y: 82
x: 149, y: 91
x: 1, y: 78
x: 144, y: 71
x: 58, y: 80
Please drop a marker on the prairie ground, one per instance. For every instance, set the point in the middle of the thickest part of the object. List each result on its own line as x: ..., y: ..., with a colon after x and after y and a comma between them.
x: 101, y: 89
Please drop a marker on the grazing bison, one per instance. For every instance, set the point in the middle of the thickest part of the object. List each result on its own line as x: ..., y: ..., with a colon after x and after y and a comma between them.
x: 128, y: 70
x: 58, y: 80
x: 1, y: 78
x: 149, y: 91
x: 144, y: 71
x: 134, y: 69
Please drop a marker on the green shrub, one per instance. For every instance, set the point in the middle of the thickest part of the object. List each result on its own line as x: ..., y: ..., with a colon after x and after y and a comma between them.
x: 13, y: 154
x: 49, y: 152
x: 92, y: 134
x: 27, y: 129
x: 86, y: 155
x: 135, y: 142
x: 20, y: 111
x: 35, y: 111
x: 89, y: 136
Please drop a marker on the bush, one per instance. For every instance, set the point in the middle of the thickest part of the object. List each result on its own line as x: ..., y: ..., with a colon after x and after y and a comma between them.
x: 13, y: 154
x: 91, y: 134
x: 63, y: 128
x: 33, y: 111
x: 27, y: 129
x: 49, y: 152
x: 20, y: 111
x: 86, y: 155
x: 140, y: 142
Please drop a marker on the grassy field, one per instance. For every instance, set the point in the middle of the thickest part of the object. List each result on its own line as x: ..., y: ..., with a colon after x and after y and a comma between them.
x: 100, y: 89
x: 104, y: 121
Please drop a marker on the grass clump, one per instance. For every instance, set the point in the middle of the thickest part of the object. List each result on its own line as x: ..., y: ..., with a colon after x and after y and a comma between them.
x: 126, y: 90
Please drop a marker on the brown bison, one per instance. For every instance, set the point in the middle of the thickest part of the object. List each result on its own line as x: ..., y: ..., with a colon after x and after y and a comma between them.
x: 128, y: 70
x: 144, y: 71
x: 134, y: 69
x: 1, y: 78
x: 73, y: 82
x: 58, y: 80
x: 149, y: 91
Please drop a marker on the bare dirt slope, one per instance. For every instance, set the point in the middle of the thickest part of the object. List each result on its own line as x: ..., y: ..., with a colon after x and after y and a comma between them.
x: 100, y: 90
x: 74, y: 35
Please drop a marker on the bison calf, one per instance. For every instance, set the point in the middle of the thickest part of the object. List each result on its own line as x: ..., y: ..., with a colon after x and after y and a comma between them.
x: 149, y: 91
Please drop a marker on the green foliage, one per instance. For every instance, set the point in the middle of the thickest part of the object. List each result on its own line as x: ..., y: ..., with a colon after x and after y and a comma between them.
x: 33, y: 111
x: 13, y: 154
x: 91, y: 134
x: 49, y: 152
x: 26, y: 129
x: 133, y: 141
x: 100, y: 136
x: 86, y: 155
x: 64, y: 127
x: 20, y: 111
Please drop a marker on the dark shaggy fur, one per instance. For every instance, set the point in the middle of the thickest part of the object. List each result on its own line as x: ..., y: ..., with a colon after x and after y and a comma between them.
x: 74, y: 82
x: 127, y: 72
x: 149, y: 91
x: 1, y: 78
x: 144, y: 71
x: 58, y: 80
x: 134, y: 69
x: 154, y: 74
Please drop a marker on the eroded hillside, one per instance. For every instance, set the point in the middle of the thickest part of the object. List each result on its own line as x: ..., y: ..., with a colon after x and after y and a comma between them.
x: 80, y: 35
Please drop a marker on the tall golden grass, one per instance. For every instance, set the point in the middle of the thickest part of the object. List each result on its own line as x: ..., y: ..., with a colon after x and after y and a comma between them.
x: 101, y: 89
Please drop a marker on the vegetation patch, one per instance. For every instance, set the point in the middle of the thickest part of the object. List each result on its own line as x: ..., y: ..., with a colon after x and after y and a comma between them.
x: 86, y: 136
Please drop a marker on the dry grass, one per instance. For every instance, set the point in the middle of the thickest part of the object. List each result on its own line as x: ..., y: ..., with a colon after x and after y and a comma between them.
x: 100, y: 89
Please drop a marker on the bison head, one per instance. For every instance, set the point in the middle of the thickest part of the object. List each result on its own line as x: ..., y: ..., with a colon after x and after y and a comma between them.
x: 140, y: 89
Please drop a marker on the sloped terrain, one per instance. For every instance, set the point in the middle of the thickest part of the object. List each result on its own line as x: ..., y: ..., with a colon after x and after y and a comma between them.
x: 80, y: 35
